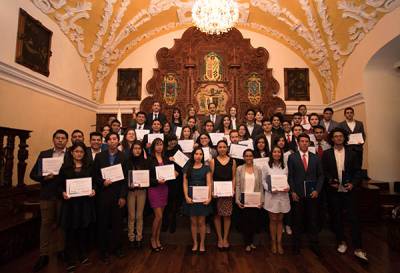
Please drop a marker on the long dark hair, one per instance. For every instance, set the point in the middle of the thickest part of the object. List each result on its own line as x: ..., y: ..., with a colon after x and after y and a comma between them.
x: 276, y: 140
x: 221, y: 125
x: 124, y: 142
x: 210, y: 144
x: 153, y: 146
x: 271, y: 159
x: 176, y: 109
x: 247, y: 134
x: 70, y: 160
x: 137, y: 161
x: 191, y: 162
x: 257, y: 152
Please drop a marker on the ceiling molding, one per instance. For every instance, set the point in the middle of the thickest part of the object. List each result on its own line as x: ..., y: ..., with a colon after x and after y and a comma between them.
x: 349, y: 101
x: 317, y: 36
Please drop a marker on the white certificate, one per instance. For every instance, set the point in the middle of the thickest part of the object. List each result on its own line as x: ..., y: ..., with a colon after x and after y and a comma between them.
x: 52, y: 165
x: 166, y: 172
x: 114, y: 173
x: 178, y: 132
x: 312, y: 138
x: 139, y: 178
x: 199, y: 194
x: 180, y: 158
x: 236, y: 150
x: 215, y: 137
x: 151, y: 137
x: 306, y: 126
x: 261, y: 162
x: 252, y: 199
x: 279, y: 182
x: 207, y: 154
x: 312, y: 150
x: 356, y: 139
x: 186, y: 145
x: 248, y: 143
x: 79, y: 187
x: 140, y: 133
x: 223, y: 188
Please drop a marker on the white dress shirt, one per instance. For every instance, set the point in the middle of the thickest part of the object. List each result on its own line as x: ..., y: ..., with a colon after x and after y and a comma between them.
x: 233, y: 123
x: 351, y: 124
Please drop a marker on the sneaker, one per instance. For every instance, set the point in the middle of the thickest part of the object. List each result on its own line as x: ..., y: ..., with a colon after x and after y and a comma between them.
x: 361, y: 254
x: 248, y: 248
x: 288, y: 230
x: 342, y: 248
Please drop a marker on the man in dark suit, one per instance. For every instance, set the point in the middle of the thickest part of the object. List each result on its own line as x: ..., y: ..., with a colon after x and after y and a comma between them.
x: 352, y: 126
x: 212, y: 115
x: 253, y: 128
x: 50, y: 200
x: 77, y: 135
x: 233, y: 116
x: 296, y: 131
x: 95, y: 146
x: 140, y: 122
x: 306, y: 181
x: 267, y: 133
x: 327, y: 122
x: 111, y: 198
x: 342, y: 173
x: 155, y: 114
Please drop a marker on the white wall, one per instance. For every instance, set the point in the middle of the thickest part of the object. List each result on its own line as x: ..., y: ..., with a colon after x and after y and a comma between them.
x: 280, y: 56
x: 382, y: 100
x: 66, y: 67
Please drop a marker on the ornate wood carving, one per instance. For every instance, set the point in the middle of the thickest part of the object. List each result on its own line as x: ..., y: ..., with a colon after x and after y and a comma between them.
x: 225, y: 69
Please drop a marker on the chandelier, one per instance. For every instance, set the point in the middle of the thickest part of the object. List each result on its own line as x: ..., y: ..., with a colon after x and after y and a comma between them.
x: 215, y: 16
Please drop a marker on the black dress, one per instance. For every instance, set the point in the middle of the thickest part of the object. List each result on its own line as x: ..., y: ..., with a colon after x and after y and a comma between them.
x: 76, y: 212
x: 223, y: 173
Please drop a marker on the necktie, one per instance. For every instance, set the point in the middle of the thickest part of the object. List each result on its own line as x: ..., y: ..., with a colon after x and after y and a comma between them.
x: 305, y: 162
x: 288, y: 138
x: 156, y: 116
x: 320, y: 150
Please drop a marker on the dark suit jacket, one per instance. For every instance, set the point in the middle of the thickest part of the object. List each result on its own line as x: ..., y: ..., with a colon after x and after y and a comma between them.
x: 217, y: 123
x: 351, y: 167
x: 332, y: 125
x: 118, y: 189
x: 258, y: 130
x: 298, y: 176
x: 359, y: 128
x: 161, y: 117
x: 49, y: 189
x: 135, y: 126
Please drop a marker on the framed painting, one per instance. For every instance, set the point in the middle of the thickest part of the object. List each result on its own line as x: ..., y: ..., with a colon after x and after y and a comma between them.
x: 33, y: 44
x: 297, y: 84
x: 129, y: 85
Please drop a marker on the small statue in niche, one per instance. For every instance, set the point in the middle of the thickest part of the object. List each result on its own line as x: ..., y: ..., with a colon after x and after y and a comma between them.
x: 212, y: 67
x: 170, y: 89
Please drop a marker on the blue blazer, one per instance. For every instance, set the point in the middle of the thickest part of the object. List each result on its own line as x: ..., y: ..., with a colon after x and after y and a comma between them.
x: 297, y: 175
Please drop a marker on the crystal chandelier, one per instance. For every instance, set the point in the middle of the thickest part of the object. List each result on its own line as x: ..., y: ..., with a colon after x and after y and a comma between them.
x: 215, y: 16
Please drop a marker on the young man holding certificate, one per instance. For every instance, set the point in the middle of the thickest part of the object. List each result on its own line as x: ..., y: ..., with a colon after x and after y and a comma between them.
x: 78, y: 207
x: 110, y: 173
x: 342, y: 173
x: 45, y: 171
x: 305, y: 180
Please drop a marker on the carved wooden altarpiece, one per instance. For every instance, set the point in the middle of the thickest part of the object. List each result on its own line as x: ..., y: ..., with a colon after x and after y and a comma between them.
x: 223, y: 69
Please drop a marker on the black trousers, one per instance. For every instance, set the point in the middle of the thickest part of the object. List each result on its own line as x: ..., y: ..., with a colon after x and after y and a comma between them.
x: 305, y: 214
x: 341, y: 202
x: 109, y: 223
x: 76, y: 244
x: 175, y: 194
x: 248, y: 224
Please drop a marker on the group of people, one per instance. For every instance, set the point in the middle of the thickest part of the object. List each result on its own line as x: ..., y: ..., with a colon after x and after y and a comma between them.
x: 320, y: 167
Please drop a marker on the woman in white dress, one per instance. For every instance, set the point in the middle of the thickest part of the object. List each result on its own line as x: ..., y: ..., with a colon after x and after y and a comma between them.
x: 276, y: 201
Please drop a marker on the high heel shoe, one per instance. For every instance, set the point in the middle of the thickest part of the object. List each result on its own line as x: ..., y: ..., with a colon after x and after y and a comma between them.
x: 273, y: 247
x: 280, y: 249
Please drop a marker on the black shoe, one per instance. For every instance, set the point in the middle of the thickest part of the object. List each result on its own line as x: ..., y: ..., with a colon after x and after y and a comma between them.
x: 132, y: 244
x: 40, y: 263
x: 105, y: 258
x: 315, y: 249
x: 119, y: 253
x: 71, y: 267
x: 139, y: 244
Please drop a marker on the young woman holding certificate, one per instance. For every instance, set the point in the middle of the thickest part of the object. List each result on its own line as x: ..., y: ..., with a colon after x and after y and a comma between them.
x: 197, y: 174
x: 127, y: 141
x: 223, y: 169
x: 249, y: 197
x: 78, y: 209
x: 277, y: 201
x: 158, y: 191
x: 136, y: 195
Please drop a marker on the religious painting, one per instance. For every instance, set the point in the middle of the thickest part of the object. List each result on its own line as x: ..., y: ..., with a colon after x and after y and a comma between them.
x: 129, y: 84
x: 254, y: 88
x: 212, y: 93
x: 170, y: 89
x: 212, y: 67
x: 33, y: 44
x: 297, y: 85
